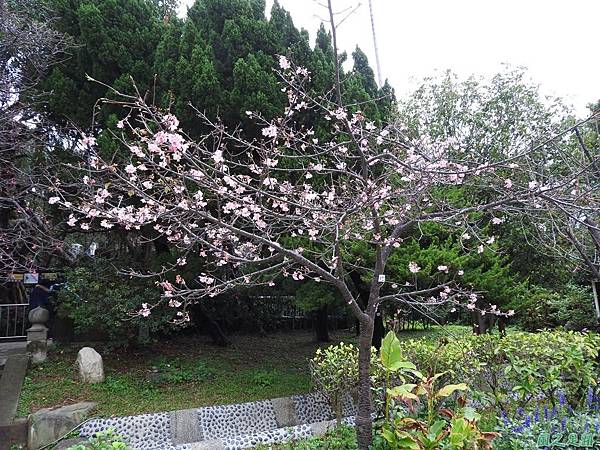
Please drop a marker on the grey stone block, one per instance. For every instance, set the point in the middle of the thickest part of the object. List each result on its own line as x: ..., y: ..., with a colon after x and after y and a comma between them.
x: 38, y: 351
x: 185, y: 426
x: 11, y: 383
x: 13, y: 434
x: 90, y: 365
x: 47, y: 425
x: 216, y: 444
x: 320, y: 428
x: 67, y: 443
x: 285, y: 412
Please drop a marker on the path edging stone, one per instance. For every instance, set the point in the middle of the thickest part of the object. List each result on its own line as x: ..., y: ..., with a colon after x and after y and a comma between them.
x: 184, y: 426
x: 11, y: 383
x: 285, y: 412
x: 49, y: 424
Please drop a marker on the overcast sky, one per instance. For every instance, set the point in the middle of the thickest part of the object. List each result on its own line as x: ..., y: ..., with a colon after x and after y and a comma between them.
x: 557, y: 40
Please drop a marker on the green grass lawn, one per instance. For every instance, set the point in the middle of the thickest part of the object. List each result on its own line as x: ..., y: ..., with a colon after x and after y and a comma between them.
x: 186, y: 372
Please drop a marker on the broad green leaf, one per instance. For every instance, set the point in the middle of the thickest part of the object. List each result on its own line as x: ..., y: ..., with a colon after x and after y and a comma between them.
x: 405, y: 441
x: 391, y: 352
x: 451, y: 388
x: 417, y: 374
x: 470, y: 414
x: 388, y: 435
x: 436, y: 429
x: 403, y: 392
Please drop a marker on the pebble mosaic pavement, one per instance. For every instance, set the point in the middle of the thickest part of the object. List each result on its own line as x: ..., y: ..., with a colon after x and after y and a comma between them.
x: 237, y: 426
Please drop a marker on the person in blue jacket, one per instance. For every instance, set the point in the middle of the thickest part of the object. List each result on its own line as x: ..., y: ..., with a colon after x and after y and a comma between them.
x: 40, y: 295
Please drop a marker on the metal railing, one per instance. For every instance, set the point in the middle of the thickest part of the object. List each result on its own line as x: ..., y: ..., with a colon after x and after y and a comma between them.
x: 13, y: 320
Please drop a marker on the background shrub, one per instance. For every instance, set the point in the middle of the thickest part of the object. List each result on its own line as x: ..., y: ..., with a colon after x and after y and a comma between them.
x: 572, y: 308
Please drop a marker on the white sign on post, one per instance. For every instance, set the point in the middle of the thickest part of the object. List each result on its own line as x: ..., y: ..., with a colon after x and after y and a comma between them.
x: 381, y: 278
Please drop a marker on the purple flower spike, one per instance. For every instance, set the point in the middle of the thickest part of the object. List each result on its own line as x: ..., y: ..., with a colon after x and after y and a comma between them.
x: 562, y: 398
x: 590, y: 397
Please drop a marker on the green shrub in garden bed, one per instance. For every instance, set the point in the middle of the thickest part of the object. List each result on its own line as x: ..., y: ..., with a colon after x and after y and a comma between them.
x: 417, y: 411
x: 514, y: 371
x: 546, y: 373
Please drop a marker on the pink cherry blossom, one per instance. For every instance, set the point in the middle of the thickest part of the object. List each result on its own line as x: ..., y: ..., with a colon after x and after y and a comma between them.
x: 413, y: 267
x: 284, y: 63
x: 270, y: 131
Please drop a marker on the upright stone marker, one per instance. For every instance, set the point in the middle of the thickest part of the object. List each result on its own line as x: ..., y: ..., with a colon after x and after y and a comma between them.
x: 90, y: 366
x: 37, y: 335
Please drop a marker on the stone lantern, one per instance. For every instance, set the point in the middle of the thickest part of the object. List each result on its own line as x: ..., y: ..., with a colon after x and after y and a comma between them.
x: 37, y: 334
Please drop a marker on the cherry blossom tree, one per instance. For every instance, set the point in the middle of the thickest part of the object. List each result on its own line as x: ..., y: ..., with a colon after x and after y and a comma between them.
x: 28, y: 48
x: 553, y: 232
x: 293, y: 205
x: 565, y: 210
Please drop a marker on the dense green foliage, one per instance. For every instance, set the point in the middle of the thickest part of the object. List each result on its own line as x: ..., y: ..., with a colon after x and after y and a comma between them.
x: 335, y: 372
x: 219, y: 59
x: 503, y: 373
x: 101, y: 302
x: 115, y: 41
x: 418, y: 412
x: 571, y: 307
x: 516, y: 370
x: 539, y: 384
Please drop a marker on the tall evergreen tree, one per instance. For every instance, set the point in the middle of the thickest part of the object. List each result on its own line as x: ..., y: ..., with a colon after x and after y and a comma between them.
x: 288, y: 39
x: 254, y: 88
x: 362, y: 70
x: 186, y: 70
x: 116, y: 40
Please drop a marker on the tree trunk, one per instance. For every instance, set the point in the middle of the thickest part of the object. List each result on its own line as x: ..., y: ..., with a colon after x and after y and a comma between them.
x: 378, y: 331
x: 478, y: 323
x: 214, y: 329
x: 482, y: 323
x: 321, y: 324
x: 363, y: 299
x: 364, y: 423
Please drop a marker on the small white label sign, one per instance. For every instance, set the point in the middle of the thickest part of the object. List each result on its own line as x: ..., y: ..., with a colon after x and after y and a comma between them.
x: 381, y: 278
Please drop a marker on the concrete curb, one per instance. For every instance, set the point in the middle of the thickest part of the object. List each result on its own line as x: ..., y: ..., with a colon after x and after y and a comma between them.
x: 11, y: 384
